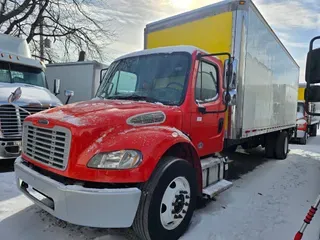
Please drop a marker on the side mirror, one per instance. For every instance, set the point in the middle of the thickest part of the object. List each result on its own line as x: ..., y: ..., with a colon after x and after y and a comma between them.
x: 102, y: 73
x: 68, y: 94
x: 312, y: 91
x: 313, y: 66
x: 226, y: 98
x: 230, y: 74
x: 56, y: 86
x: 14, y: 96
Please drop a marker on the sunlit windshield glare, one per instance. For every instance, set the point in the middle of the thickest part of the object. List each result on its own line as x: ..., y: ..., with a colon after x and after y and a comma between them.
x: 155, y: 78
x: 13, y: 73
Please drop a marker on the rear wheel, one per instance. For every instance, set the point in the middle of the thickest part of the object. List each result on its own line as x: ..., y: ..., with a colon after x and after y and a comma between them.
x: 282, y: 145
x: 313, y: 131
x: 168, y: 201
x: 270, y: 145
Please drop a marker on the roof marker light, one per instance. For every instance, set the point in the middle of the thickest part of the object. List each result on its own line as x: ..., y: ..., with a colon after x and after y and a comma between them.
x: 242, y: 2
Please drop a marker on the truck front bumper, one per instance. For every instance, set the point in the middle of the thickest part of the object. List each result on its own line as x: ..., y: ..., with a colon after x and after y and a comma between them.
x: 298, y: 134
x: 10, y: 149
x: 104, y: 208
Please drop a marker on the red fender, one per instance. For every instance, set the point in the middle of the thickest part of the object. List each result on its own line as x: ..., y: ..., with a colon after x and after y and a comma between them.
x: 151, y: 141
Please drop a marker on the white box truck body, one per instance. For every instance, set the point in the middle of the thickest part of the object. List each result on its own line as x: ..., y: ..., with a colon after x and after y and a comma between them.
x: 266, y: 81
x: 81, y: 77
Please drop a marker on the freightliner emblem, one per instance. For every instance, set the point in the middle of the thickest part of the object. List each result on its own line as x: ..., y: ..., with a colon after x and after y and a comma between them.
x: 43, y: 121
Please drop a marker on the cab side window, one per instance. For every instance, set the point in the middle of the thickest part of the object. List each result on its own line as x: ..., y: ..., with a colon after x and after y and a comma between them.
x: 207, y: 84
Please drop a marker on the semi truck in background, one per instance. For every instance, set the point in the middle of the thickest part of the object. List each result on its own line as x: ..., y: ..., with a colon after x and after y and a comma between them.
x: 307, y: 125
x: 147, y: 148
x: 83, y: 77
x: 19, y: 70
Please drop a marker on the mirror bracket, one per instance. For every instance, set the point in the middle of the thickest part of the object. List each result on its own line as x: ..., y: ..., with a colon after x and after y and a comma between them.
x: 202, y: 109
x: 68, y: 94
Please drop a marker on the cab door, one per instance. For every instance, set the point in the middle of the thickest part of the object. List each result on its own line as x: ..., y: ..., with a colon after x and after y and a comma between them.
x: 207, y: 131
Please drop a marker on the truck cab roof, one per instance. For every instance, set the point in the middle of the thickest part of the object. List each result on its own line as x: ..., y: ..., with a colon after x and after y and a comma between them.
x: 170, y: 49
x: 16, y: 50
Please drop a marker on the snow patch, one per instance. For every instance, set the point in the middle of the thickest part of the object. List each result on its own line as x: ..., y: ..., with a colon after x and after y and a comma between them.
x: 159, y: 103
x: 72, y: 120
x: 101, y: 139
x: 128, y: 131
x: 61, y: 116
x: 305, y: 153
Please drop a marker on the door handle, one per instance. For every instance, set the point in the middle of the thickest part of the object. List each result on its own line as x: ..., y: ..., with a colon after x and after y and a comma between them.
x: 220, y: 125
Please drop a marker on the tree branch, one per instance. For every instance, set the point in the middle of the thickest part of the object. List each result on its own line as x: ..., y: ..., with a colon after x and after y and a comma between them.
x: 37, y: 21
x: 14, y: 12
x: 17, y: 21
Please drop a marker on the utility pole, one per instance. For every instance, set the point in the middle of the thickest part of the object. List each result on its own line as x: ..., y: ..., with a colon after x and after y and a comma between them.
x: 41, y: 33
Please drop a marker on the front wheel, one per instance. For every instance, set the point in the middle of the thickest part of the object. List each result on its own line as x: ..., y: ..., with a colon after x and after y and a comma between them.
x: 168, y: 201
x: 303, y: 140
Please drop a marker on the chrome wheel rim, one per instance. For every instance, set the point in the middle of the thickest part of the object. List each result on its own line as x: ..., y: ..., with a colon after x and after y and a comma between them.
x: 175, y: 203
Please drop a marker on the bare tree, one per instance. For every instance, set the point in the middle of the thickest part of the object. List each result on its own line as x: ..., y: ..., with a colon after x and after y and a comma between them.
x: 73, y: 25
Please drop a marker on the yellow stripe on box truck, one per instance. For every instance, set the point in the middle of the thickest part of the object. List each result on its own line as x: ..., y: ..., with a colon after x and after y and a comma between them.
x: 212, y: 34
x: 301, y: 94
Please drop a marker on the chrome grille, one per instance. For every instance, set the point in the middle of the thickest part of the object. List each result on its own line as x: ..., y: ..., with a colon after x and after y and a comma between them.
x: 11, y: 119
x: 50, y: 146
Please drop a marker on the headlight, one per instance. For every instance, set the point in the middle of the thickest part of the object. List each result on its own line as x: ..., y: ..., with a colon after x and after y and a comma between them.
x: 124, y: 159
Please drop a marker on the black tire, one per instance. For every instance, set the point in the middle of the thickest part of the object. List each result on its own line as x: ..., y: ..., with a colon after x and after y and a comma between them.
x: 231, y: 149
x: 245, y: 146
x: 270, y: 145
x: 313, y: 131
x: 147, y: 223
x: 303, y: 140
x: 282, y: 145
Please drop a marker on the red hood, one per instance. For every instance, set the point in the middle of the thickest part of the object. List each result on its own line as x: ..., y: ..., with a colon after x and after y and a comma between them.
x: 102, y: 113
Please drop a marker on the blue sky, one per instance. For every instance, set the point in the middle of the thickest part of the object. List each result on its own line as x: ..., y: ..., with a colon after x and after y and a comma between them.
x: 294, y: 21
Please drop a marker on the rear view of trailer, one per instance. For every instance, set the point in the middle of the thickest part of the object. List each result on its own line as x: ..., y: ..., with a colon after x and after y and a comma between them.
x: 267, y: 76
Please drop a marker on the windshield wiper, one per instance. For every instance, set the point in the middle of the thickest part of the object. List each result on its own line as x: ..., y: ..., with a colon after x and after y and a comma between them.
x: 133, y: 97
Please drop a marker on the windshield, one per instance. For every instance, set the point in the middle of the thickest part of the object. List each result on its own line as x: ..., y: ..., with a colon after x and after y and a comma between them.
x: 14, y: 73
x: 155, y: 78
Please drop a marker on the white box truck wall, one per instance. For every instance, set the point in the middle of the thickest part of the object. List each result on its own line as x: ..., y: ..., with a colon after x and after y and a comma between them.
x: 81, y: 77
x: 270, y: 82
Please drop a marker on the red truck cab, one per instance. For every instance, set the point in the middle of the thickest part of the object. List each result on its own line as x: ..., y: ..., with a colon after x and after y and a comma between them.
x: 132, y: 155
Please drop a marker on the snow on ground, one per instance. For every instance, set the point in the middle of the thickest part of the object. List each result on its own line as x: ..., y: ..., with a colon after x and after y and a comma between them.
x: 269, y: 202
